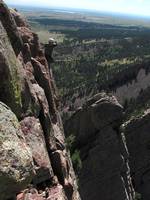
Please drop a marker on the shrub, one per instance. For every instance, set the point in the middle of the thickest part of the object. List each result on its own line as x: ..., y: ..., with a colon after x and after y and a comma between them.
x: 75, y: 153
x: 137, y: 196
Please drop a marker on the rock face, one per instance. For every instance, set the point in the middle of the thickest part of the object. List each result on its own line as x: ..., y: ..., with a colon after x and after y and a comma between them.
x: 34, y: 136
x: 105, y: 172
x: 10, y: 87
x: 28, y: 88
x: 138, y: 142
x: 132, y: 89
x: 16, y: 164
x: 34, y: 161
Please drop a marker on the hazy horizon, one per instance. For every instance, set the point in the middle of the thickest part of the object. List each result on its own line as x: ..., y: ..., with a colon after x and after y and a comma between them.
x: 131, y: 7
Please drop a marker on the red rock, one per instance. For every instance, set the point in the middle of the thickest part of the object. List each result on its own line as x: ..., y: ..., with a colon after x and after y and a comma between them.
x: 34, y: 136
x: 30, y: 196
x: 18, y: 18
x: 38, y: 113
x: 20, y: 196
x: 11, y: 28
x: 56, y: 193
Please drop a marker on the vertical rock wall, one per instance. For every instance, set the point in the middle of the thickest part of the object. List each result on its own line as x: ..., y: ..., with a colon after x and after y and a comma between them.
x: 27, y: 87
x: 137, y: 132
x: 105, y: 172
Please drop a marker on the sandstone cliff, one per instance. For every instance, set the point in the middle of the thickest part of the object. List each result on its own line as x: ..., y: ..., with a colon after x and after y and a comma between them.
x: 32, y: 145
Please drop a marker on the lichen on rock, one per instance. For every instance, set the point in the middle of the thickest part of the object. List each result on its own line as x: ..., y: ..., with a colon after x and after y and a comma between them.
x: 16, y: 164
x: 10, y: 88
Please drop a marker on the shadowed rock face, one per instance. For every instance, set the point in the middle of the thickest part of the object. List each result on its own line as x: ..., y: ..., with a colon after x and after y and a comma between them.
x: 10, y: 87
x: 27, y: 87
x: 105, y: 172
x: 137, y: 134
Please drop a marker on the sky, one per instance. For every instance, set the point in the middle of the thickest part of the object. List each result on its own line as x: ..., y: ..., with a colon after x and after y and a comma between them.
x: 138, y: 7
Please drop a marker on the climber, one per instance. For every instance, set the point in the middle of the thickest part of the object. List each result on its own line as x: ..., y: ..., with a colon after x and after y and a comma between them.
x: 52, y: 42
x: 49, y: 50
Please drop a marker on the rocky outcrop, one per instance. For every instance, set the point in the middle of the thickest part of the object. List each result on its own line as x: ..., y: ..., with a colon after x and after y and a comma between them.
x: 131, y: 90
x: 34, y: 136
x: 138, y: 143
x: 27, y: 87
x: 105, y: 172
x: 16, y: 164
x: 10, y: 87
x: 34, y: 161
x: 8, y: 22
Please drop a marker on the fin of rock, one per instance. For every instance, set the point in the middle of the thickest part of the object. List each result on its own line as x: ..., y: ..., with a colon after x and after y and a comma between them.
x: 105, y: 172
x: 138, y: 143
x: 27, y: 87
